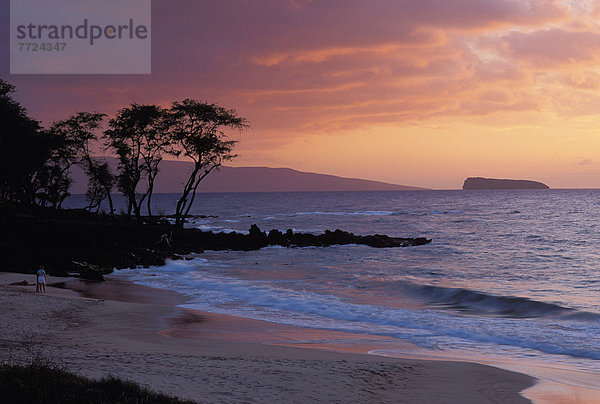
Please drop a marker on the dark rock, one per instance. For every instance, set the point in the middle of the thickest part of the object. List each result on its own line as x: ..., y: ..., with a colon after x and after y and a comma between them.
x: 22, y: 283
x: 257, y: 238
x: 89, y: 271
x: 276, y: 237
x: 90, y: 246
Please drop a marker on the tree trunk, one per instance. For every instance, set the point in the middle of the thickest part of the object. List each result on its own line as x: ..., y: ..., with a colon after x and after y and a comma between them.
x: 195, y: 187
x: 150, y: 188
x: 182, y: 202
x: 137, y: 207
x: 110, y: 204
x: 191, y: 202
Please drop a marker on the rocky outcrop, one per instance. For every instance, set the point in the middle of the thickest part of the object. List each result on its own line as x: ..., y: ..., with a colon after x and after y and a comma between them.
x: 493, y: 183
x: 78, y: 243
x: 337, y: 237
x: 193, y: 239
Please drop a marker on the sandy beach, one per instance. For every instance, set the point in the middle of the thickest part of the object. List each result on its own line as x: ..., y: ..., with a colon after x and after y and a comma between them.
x: 139, y: 334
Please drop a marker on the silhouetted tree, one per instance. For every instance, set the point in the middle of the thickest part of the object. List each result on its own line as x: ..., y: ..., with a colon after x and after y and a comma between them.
x: 51, y: 184
x: 138, y: 137
x: 70, y: 144
x: 78, y: 133
x: 35, y: 164
x: 196, y: 129
x: 101, y: 183
x: 24, y: 149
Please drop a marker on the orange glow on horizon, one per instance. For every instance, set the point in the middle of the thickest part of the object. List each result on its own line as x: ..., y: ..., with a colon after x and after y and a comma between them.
x: 416, y: 93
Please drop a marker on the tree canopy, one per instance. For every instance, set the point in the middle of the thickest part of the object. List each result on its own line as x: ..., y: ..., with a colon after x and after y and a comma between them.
x: 196, y: 130
x: 35, y: 162
x: 24, y: 149
x: 138, y: 137
x: 71, y: 139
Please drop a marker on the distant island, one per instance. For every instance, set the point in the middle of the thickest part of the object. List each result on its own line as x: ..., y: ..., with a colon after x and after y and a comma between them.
x: 249, y: 179
x: 493, y: 183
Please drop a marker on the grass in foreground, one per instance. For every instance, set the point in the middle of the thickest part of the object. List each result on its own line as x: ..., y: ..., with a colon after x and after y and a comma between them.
x: 49, y: 384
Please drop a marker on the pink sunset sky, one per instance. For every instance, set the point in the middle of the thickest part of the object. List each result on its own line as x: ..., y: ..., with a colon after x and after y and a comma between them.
x: 415, y: 92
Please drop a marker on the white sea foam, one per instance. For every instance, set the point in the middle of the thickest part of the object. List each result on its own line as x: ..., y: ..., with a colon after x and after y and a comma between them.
x: 213, y: 291
x: 357, y: 213
x: 214, y: 228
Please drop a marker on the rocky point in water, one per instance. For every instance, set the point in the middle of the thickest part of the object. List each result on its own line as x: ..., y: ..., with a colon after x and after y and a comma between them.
x: 79, y: 243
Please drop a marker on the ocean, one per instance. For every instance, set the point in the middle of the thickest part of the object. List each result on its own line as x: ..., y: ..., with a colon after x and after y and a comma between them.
x: 511, y: 276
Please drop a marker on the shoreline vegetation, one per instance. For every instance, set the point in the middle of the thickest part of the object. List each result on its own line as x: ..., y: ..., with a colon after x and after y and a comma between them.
x: 140, y: 136
x: 75, y: 242
x: 45, y: 382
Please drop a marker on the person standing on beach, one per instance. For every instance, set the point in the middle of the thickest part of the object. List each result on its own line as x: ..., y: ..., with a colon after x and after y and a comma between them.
x: 40, y: 284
